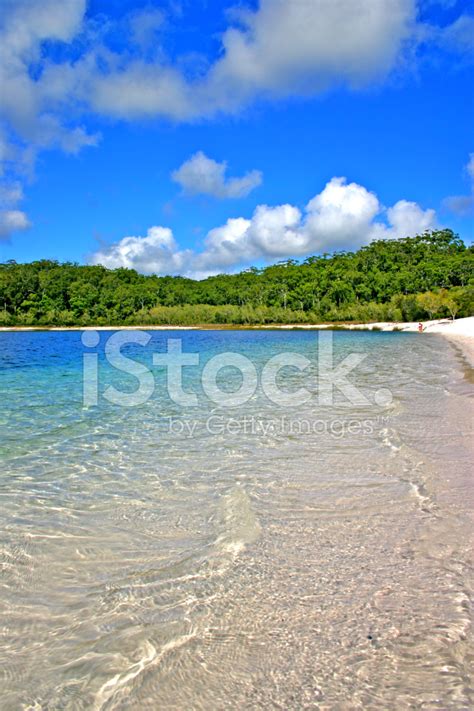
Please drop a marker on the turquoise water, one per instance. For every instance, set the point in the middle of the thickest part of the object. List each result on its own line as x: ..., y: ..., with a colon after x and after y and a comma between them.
x: 257, y: 556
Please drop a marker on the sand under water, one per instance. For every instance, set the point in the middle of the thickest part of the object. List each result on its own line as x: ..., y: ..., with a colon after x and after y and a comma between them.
x: 313, y: 556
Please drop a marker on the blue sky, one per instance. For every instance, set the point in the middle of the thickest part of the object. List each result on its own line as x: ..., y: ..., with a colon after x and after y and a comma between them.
x: 193, y: 138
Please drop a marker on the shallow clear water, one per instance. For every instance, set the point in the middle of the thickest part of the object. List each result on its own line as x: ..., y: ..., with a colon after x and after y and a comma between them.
x: 261, y: 556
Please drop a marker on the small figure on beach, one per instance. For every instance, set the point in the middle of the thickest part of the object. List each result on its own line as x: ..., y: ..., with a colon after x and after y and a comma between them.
x: 420, y: 327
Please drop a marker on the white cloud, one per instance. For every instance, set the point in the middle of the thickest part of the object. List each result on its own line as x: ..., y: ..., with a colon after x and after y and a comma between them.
x: 203, y: 175
x: 279, y: 49
x: 302, y: 47
x: 463, y: 204
x: 470, y: 166
x: 31, y: 108
x: 12, y: 221
x: 144, y: 24
x: 26, y: 25
x: 405, y: 219
x: 140, y: 90
x: 273, y: 229
x: 342, y: 216
x: 157, y: 252
x: 10, y: 193
x: 459, y: 36
x: 225, y: 246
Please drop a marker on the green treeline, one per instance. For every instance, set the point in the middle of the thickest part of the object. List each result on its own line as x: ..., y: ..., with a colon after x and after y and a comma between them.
x: 427, y: 276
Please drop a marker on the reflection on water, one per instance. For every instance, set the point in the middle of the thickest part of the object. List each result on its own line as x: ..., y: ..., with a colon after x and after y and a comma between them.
x: 144, y: 568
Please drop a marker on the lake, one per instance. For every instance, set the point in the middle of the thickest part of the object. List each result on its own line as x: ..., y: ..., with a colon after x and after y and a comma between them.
x: 263, y: 528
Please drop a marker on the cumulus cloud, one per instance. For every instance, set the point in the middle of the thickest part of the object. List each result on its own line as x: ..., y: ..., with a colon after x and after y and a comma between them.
x: 12, y: 221
x: 205, y: 176
x: 26, y: 98
x: 463, y: 204
x: 31, y: 108
x: 277, y: 49
x: 11, y: 218
x: 342, y: 216
x: 302, y: 47
x: 155, y: 253
x: 341, y: 213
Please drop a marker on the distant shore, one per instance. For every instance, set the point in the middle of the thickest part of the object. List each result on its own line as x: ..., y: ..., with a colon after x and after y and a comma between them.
x: 459, y: 327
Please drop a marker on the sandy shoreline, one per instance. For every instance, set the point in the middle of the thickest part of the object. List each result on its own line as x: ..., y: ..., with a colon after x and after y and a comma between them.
x: 461, y: 327
x: 460, y: 331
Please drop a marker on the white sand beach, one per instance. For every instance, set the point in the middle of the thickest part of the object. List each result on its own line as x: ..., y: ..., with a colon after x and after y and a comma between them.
x: 460, y: 327
x: 460, y: 331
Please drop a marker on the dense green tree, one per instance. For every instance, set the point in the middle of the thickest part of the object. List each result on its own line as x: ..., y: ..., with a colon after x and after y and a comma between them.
x: 411, y: 278
x: 431, y: 302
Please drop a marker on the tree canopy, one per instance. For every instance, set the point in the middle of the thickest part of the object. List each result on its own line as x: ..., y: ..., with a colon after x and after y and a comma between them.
x: 416, y: 277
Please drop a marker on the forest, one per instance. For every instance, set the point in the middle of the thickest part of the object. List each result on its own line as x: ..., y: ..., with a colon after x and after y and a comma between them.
x: 425, y: 276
